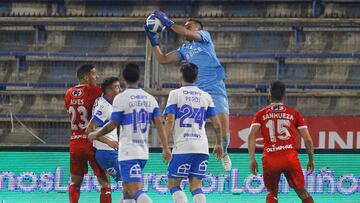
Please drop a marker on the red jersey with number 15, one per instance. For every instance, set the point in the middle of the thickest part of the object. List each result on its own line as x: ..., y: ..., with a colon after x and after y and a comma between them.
x: 279, y: 124
x: 79, y: 101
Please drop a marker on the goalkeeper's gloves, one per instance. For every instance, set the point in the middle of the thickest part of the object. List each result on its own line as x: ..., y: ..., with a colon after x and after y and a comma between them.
x: 151, y: 36
x: 164, y: 19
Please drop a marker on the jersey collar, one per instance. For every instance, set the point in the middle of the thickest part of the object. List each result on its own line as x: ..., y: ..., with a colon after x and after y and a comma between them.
x: 277, y: 103
x: 108, y: 100
x: 189, y: 85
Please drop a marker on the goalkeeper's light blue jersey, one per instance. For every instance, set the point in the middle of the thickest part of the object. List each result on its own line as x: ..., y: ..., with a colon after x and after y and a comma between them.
x: 202, y: 53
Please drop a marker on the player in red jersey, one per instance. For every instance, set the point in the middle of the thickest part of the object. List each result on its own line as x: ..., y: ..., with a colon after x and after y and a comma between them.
x: 79, y: 101
x: 278, y: 124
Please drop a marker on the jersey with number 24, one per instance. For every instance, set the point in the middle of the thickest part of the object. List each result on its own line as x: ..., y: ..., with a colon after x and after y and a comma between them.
x: 191, y: 107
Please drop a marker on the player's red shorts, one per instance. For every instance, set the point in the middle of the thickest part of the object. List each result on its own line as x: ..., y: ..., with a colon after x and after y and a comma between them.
x: 82, y: 152
x: 286, y: 162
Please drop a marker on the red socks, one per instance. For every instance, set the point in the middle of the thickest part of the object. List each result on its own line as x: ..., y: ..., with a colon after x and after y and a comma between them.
x: 308, y: 200
x: 74, y: 193
x: 270, y: 198
x: 105, y: 195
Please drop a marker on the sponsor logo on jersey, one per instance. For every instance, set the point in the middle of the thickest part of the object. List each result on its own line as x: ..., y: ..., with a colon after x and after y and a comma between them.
x: 135, y: 171
x: 278, y: 108
x: 77, y: 93
x: 183, y: 169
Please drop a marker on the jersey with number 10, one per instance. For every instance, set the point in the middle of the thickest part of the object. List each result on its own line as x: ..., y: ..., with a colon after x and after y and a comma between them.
x: 279, y: 124
x: 191, y: 107
x: 134, y: 109
x: 79, y: 101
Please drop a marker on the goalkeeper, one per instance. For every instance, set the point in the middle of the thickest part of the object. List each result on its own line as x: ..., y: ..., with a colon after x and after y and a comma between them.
x: 200, y: 51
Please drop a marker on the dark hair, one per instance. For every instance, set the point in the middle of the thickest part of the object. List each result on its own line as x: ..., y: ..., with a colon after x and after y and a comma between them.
x: 107, y: 82
x: 196, y: 21
x: 277, y: 90
x: 84, y: 70
x: 189, y: 72
x: 131, y: 73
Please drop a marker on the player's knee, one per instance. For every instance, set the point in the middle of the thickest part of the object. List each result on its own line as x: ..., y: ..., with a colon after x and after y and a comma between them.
x: 194, y: 183
x: 76, y: 180
x: 104, y: 181
x: 302, y: 193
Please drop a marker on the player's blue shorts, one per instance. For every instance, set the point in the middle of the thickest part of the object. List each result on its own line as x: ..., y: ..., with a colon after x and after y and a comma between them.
x: 108, y: 161
x: 188, y: 165
x: 131, y: 170
x: 221, y: 103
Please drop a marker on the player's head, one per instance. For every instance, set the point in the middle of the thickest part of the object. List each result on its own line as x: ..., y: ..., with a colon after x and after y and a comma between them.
x: 193, y: 24
x: 131, y: 74
x: 87, y: 74
x: 277, y: 91
x: 111, y: 87
x: 189, y: 73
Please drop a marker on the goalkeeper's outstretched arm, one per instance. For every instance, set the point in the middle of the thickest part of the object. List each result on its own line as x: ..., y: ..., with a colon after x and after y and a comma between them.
x: 162, y: 58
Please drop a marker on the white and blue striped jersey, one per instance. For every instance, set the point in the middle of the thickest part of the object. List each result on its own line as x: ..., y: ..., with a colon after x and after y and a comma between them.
x: 191, y: 107
x: 134, y: 109
x: 102, y: 110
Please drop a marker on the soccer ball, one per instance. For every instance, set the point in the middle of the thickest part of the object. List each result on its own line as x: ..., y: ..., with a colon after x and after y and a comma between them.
x: 154, y: 24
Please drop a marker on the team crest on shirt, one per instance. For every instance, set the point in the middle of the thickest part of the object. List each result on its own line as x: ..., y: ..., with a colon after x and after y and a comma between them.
x: 77, y: 93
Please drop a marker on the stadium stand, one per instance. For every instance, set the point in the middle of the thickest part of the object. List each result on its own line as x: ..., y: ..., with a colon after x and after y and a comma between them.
x: 311, y: 45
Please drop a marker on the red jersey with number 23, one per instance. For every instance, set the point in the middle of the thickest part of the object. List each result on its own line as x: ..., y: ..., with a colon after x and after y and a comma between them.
x: 79, y: 101
x: 279, y: 124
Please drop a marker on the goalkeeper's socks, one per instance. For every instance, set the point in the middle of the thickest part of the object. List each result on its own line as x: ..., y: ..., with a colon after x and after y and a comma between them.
x: 178, y: 195
x: 226, y: 142
x: 308, y: 200
x: 198, y: 196
x: 105, y: 195
x: 74, y: 193
x: 142, y: 197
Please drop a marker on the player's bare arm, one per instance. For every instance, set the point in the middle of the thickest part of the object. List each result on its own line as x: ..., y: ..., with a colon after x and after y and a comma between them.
x: 188, y: 31
x: 169, y: 124
x: 105, y: 130
x: 219, y: 131
x: 189, y: 34
x: 251, y: 140
x: 163, y: 139
x: 162, y: 58
x: 92, y: 128
x: 304, y: 132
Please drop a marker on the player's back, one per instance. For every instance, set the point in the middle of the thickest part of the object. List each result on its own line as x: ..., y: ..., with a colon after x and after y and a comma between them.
x: 79, y: 101
x: 134, y: 109
x: 191, y: 107
x: 279, y: 124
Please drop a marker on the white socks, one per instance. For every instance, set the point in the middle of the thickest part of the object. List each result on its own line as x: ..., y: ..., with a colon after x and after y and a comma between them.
x: 141, y: 197
x: 198, y: 196
x: 178, y: 195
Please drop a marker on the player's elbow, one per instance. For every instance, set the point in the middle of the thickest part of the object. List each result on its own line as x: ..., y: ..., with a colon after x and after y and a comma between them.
x: 163, y: 60
x: 251, y: 137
